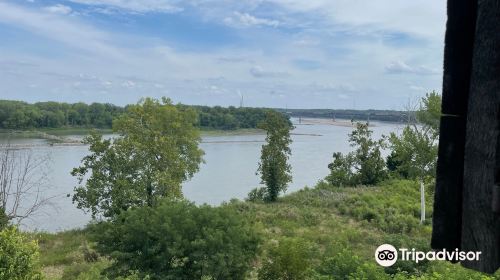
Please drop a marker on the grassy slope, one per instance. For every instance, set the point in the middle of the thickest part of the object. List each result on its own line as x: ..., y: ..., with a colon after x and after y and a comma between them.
x: 355, y: 220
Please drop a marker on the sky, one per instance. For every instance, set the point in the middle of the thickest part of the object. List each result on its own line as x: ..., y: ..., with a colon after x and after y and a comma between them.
x: 340, y: 54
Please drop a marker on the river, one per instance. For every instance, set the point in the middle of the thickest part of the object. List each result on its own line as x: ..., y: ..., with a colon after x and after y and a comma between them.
x: 228, y: 172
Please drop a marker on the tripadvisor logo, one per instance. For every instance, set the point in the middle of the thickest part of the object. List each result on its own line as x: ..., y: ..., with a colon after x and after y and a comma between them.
x: 387, y: 255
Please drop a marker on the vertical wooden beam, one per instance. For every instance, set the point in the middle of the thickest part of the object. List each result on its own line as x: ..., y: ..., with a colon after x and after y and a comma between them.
x: 480, y: 225
x: 459, y: 40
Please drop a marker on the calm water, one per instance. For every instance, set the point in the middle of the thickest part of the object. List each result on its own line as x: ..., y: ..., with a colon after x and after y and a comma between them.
x: 228, y: 172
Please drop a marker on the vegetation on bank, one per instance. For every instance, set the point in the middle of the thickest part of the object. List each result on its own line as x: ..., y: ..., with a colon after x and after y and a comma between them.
x: 323, y: 232
x: 19, y: 115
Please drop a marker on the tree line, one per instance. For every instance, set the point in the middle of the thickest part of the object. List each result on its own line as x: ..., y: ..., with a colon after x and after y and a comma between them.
x: 23, y: 115
x: 350, y: 114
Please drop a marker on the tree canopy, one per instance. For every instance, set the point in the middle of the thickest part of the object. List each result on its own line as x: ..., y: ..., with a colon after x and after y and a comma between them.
x: 363, y: 166
x: 156, y: 151
x: 22, y: 115
x: 414, y: 152
x: 275, y: 171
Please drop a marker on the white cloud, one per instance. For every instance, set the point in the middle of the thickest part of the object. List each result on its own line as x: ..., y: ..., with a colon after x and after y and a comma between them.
x: 400, y: 67
x: 423, y: 18
x: 59, y: 28
x: 128, y: 84
x: 247, y: 20
x: 136, y: 6
x: 306, y: 42
x: 417, y: 88
x: 59, y: 9
x: 259, y: 72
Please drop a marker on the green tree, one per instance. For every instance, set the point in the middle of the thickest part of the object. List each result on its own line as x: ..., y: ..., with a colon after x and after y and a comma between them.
x: 364, y: 165
x: 368, y: 161
x: 179, y: 240
x: 341, y: 172
x: 19, y: 256
x: 275, y: 171
x: 414, y: 152
x: 156, y: 151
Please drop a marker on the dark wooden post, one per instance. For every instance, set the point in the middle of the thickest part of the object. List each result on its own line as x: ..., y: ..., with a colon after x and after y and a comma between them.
x: 465, y: 214
x: 480, y: 225
x: 459, y: 40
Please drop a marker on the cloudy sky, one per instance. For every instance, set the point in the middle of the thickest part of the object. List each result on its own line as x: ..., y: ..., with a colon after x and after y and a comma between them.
x: 275, y: 53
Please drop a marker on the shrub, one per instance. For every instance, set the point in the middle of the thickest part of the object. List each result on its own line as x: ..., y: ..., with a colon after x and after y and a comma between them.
x: 4, y: 220
x: 19, y: 256
x: 364, y: 165
x: 178, y: 240
x: 290, y: 259
x: 340, y: 265
x: 257, y: 195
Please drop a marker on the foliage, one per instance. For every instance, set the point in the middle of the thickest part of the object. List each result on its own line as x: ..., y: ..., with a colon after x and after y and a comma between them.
x: 178, y: 240
x: 290, y: 259
x: 429, y: 113
x: 274, y: 169
x: 157, y: 150
x: 341, y: 171
x: 343, y: 264
x: 19, y: 257
x: 395, y: 208
x: 414, y: 152
x: 230, y: 118
x: 343, y: 226
x: 4, y: 219
x: 363, y: 166
x: 22, y: 115
x: 257, y: 195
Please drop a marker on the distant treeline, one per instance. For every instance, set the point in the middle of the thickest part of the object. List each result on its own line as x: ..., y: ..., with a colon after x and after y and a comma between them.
x: 22, y: 115
x: 230, y: 118
x: 359, y: 115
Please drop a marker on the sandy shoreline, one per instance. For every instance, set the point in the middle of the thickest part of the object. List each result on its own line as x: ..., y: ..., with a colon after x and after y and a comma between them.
x: 337, y: 122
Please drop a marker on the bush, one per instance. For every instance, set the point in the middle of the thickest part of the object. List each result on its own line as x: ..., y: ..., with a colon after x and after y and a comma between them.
x: 364, y: 165
x: 4, y: 220
x: 257, y: 195
x: 290, y: 259
x: 346, y: 265
x: 178, y: 240
x: 19, y: 256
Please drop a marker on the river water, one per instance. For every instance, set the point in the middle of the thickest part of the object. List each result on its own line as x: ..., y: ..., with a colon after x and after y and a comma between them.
x: 228, y: 172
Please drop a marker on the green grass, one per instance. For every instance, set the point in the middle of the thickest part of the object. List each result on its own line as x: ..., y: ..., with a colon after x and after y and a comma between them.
x: 341, y: 227
x: 65, y: 255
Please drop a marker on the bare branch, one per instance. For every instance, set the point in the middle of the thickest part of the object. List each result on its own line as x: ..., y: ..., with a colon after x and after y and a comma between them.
x: 23, y: 182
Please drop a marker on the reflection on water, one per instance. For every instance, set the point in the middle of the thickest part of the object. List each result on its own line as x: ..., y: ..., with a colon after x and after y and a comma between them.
x: 228, y: 172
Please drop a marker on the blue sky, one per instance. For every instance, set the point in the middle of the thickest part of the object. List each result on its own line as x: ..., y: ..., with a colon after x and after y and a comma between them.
x: 358, y: 54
